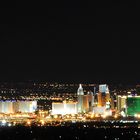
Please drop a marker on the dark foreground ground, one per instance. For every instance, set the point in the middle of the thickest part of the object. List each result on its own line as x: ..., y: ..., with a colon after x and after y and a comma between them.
x: 67, y: 133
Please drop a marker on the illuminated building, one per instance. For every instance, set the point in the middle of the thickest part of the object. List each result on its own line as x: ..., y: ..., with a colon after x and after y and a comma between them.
x: 71, y: 107
x: 107, y: 95
x: 18, y: 106
x: 133, y: 105
x: 102, y: 88
x: 99, y: 97
x: 107, y: 98
x: 103, y: 100
x: 80, y: 96
x: 99, y: 110
x: 90, y: 101
x: 121, y: 103
x: 103, y: 96
x: 80, y: 90
x: 58, y: 108
x: 85, y: 102
x: 6, y: 107
x: 64, y: 108
x: 27, y: 106
x: 112, y: 103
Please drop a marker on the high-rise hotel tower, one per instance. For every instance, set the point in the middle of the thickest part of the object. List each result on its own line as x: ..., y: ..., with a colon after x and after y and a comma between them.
x: 103, y: 95
x: 80, y: 94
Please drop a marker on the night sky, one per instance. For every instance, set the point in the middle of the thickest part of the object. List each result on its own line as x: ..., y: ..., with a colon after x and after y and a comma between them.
x: 70, y: 41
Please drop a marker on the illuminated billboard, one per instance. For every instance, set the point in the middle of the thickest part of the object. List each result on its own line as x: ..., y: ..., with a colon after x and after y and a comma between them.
x: 133, y: 105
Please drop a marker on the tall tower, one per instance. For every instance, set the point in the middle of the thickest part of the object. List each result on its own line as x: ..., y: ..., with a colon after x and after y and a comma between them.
x: 108, y: 99
x: 99, y: 96
x: 80, y: 90
x: 80, y: 94
x: 107, y: 95
x: 90, y: 100
x: 103, y: 95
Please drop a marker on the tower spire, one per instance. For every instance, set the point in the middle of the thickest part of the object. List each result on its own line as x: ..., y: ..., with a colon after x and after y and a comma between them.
x: 80, y: 90
x: 80, y: 85
x: 107, y: 89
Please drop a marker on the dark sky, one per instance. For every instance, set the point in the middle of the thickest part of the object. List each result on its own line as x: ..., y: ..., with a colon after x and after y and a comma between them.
x: 73, y: 41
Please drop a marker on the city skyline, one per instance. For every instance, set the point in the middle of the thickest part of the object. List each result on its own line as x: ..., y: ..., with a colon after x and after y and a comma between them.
x: 46, y: 106
x: 69, y: 70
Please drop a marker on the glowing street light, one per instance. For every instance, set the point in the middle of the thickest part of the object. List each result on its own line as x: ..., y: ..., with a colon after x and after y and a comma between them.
x: 115, y: 116
x: 3, y: 122
x: 42, y: 122
x: 28, y: 123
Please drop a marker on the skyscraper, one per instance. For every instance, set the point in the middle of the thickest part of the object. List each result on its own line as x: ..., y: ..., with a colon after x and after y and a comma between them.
x: 90, y: 100
x: 103, y: 88
x: 80, y: 90
x: 99, y: 97
x: 121, y: 102
x: 85, y: 102
x: 103, y: 96
x: 107, y: 95
x: 108, y: 99
x: 80, y: 97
